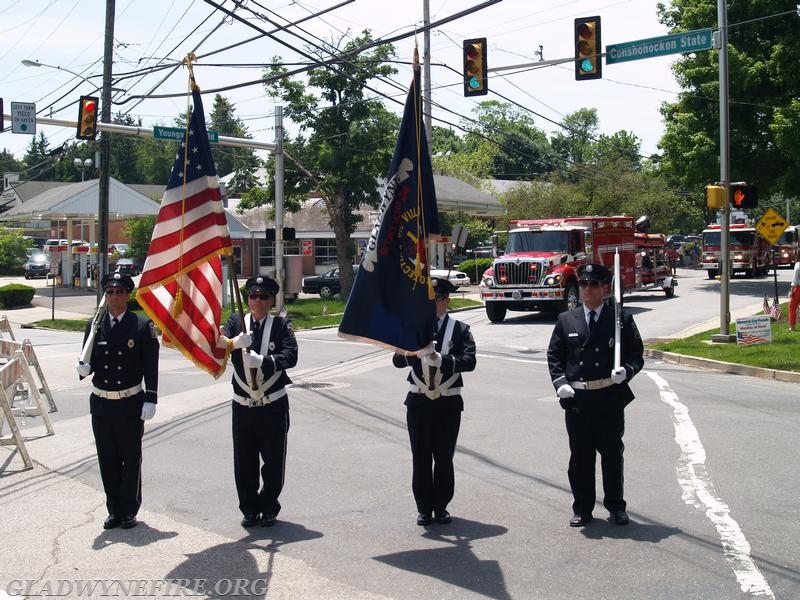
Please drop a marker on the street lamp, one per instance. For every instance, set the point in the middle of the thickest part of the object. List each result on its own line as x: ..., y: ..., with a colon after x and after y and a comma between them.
x: 36, y: 63
x: 82, y: 164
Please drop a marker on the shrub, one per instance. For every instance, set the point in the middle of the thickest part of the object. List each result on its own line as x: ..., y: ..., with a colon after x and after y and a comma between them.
x: 474, y: 267
x: 16, y: 294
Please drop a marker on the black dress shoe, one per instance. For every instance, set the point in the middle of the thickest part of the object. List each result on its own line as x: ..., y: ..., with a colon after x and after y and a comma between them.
x: 268, y: 520
x: 111, y: 522
x: 250, y: 521
x: 128, y: 521
x: 578, y: 520
x: 442, y: 516
x: 620, y: 517
x: 423, y: 520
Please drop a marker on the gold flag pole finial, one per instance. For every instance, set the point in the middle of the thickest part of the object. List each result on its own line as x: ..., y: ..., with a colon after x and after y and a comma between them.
x: 190, y: 58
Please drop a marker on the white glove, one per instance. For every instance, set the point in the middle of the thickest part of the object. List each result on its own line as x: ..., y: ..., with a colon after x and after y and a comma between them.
x: 565, y: 391
x: 243, y: 340
x: 432, y: 360
x: 618, y: 375
x: 252, y: 360
x: 83, y: 369
x: 148, y: 411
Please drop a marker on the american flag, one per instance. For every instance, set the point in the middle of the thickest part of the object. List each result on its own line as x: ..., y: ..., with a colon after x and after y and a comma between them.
x: 775, y: 311
x: 765, y: 305
x: 181, y: 284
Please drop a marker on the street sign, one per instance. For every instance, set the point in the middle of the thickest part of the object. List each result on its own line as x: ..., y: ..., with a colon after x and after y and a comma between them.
x: 771, y: 226
x: 689, y: 41
x: 178, y: 133
x: 23, y: 117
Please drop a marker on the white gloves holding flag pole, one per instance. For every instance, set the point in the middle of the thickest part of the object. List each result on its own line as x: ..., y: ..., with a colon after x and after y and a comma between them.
x: 243, y: 340
x: 83, y: 369
x: 252, y: 360
x: 619, y: 375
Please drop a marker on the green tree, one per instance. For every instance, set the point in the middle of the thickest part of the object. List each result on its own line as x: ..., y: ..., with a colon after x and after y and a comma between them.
x: 12, y: 250
x: 37, y: 161
x: 346, y: 139
x: 140, y: 231
x: 8, y: 164
x: 763, y: 91
x: 518, y: 149
x: 572, y: 145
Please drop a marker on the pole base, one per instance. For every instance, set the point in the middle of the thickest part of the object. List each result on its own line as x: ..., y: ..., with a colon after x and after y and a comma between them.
x: 720, y: 338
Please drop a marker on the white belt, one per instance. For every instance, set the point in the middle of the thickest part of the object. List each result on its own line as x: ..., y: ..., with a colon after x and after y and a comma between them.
x: 118, y: 394
x: 597, y: 384
x: 415, y: 389
x: 268, y: 399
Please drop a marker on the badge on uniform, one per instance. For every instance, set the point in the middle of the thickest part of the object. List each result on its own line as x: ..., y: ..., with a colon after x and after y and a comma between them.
x: 271, y: 346
x: 131, y: 343
x: 611, y: 342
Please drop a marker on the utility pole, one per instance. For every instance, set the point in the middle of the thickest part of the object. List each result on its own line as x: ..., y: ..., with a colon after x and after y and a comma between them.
x: 279, y: 174
x: 725, y: 179
x: 105, y: 149
x: 426, y: 66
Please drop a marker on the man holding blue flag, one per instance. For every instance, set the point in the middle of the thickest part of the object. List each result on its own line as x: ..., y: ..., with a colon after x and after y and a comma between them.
x: 434, y: 405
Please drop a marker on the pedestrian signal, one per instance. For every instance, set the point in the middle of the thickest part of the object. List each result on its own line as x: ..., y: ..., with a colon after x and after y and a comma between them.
x: 743, y: 195
x: 87, y: 118
x: 588, y: 50
x: 475, y: 78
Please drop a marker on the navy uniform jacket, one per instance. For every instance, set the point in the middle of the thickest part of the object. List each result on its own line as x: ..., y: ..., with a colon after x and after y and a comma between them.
x: 575, y: 356
x: 121, y: 358
x: 281, y: 355
x: 458, y: 358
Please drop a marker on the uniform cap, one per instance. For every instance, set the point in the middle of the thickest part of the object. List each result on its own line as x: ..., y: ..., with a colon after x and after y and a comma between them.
x: 117, y: 280
x: 260, y: 283
x: 594, y: 272
x: 442, y: 287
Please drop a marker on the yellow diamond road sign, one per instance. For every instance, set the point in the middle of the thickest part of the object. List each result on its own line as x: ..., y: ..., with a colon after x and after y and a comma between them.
x: 771, y: 226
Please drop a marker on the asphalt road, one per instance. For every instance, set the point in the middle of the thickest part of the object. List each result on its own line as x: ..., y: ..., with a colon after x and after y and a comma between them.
x: 711, y: 473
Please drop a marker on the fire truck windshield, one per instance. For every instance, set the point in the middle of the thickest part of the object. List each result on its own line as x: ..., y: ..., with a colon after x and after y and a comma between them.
x: 746, y: 238
x: 538, y: 241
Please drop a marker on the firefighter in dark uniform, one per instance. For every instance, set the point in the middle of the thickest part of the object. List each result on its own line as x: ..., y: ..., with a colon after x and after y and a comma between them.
x: 124, y: 361
x: 593, y: 393
x: 265, y: 347
x: 434, y: 408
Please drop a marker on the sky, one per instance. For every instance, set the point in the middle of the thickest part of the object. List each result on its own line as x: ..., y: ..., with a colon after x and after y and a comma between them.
x: 70, y: 33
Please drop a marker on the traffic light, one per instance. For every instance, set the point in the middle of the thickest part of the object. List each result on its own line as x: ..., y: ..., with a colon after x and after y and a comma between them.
x: 475, y: 81
x: 743, y: 195
x: 588, y: 50
x: 289, y: 234
x: 269, y: 234
x: 715, y: 196
x: 87, y: 118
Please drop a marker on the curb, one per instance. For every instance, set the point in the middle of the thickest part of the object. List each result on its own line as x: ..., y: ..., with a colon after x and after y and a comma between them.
x: 725, y: 367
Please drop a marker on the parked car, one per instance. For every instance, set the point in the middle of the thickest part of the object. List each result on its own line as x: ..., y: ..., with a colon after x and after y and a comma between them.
x: 37, y: 265
x: 126, y: 266
x: 121, y: 249
x: 457, y: 278
x: 326, y: 285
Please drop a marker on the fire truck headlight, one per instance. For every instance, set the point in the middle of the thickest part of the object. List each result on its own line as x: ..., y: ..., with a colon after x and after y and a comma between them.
x: 738, y: 257
x: 553, y: 280
x: 487, y: 281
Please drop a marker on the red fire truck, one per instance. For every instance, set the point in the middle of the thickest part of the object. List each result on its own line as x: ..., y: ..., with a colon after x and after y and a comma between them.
x: 787, y: 248
x: 748, y: 252
x: 538, y: 270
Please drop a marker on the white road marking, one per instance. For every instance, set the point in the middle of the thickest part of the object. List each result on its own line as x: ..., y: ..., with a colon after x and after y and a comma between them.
x: 699, y: 491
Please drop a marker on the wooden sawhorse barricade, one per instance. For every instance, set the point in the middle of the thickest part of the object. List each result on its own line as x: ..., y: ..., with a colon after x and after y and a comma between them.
x: 12, y: 373
x: 21, y: 389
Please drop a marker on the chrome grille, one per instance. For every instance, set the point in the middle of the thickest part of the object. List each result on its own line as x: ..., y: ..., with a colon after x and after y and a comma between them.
x: 517, y: 272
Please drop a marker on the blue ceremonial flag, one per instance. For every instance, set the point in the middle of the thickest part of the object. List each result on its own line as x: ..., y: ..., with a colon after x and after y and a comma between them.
x: 391, y: 304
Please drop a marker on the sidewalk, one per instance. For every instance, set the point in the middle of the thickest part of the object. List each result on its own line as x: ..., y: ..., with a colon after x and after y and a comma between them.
x: 51, y: 523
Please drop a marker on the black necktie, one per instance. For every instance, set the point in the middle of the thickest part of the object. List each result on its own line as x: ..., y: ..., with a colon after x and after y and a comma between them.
x: 256, y: 337
x: 592, y: 320
x: 114, y: 322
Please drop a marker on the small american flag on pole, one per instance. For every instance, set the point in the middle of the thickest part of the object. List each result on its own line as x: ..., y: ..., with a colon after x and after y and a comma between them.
x: 181, y: 284
x: 775, y: 311
x: 765, y: 305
